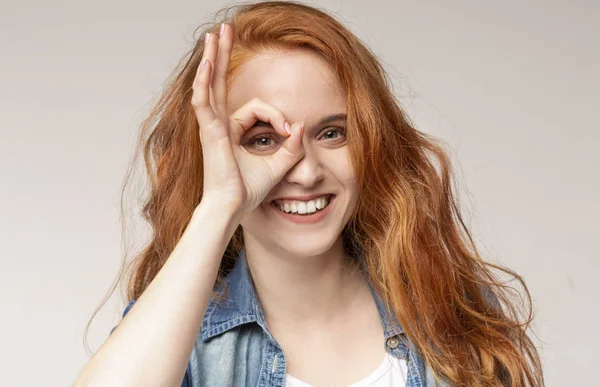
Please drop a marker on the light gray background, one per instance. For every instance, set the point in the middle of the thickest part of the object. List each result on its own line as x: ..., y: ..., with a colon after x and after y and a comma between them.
x: 511, y: 85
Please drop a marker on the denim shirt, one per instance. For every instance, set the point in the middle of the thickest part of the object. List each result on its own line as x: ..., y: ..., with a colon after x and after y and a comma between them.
x: 235, y: 347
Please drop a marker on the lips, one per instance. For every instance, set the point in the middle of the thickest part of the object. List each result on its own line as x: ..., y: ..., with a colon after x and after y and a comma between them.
x: 314, y: 217
x: 303, y: 208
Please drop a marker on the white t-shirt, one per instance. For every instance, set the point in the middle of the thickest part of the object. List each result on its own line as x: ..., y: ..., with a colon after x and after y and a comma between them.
x: 391, y: 373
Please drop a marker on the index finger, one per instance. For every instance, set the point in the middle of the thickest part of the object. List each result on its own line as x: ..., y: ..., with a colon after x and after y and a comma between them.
x: 257, y: 110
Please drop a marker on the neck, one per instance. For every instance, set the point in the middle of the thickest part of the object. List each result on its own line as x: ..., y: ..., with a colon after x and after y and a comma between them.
x: 300, y: 290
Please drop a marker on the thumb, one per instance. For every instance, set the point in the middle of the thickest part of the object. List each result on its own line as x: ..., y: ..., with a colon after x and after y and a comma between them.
x: 290, y: 153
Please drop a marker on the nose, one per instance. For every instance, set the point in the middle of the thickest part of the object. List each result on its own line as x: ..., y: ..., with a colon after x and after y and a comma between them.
x: 307, y: 172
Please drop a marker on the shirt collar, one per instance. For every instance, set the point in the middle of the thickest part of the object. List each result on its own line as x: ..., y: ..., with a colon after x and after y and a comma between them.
x: 241, y: 306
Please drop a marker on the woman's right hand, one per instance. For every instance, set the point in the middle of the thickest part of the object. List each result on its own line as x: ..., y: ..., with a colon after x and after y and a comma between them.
x: 232, y: 175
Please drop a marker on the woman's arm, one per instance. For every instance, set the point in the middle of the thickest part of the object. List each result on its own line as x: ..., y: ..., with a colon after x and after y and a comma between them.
x: 153, y: 343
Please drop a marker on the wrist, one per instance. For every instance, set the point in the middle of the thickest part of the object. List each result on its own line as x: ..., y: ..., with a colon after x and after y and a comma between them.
x: 219, y: 211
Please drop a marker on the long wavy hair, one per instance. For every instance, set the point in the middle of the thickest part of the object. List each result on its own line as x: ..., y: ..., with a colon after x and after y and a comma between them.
x: 414, y: 246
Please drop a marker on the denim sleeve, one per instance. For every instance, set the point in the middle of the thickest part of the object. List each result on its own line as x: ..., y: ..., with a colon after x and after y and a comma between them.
x: 186, y: 378
x: 124, y: 313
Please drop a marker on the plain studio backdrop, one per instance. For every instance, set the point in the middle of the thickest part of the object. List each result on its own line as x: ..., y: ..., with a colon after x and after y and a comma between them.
x: 511, y: 86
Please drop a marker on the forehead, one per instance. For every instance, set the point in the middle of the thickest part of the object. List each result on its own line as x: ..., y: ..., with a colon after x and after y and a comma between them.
x: 300, y: 83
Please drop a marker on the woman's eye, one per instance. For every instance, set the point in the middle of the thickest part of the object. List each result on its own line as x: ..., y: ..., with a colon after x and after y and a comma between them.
x: 333, y: 133
x: 261, y: 142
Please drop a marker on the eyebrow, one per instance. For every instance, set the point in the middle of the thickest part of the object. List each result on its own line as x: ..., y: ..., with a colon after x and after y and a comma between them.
x: 332, y: 118
x: 326, y: 120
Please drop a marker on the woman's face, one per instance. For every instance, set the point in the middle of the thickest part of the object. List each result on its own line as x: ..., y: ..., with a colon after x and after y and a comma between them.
x: 301, y: 85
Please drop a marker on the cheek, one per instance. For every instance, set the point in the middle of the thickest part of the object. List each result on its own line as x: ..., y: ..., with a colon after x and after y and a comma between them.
x: 340, y: 166
x: 345, y: 173
x: 253, y: 222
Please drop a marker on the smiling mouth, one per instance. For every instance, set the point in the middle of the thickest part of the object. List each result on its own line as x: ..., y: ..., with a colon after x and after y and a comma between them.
x: 296, y: 209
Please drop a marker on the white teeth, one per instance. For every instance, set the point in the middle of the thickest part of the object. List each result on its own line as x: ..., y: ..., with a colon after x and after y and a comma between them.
x: 304, y: 207
x: 320, y: 204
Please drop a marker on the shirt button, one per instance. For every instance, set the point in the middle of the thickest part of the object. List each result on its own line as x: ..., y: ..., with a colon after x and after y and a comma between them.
x: 392, y: 342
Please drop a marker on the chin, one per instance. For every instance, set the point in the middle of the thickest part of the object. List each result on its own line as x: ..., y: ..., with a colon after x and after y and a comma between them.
x: 306, y: 245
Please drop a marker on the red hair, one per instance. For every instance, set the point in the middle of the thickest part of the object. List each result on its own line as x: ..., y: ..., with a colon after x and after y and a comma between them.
x: 415, y: 247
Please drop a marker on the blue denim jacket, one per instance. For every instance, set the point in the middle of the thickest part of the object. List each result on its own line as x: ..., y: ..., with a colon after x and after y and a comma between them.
x: 235, y: 347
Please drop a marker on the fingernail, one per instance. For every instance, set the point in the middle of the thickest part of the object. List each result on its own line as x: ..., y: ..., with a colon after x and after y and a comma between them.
x: 207, y: 38
x: 202, y: 63
x: 222, y: 28
x: 287, y: 128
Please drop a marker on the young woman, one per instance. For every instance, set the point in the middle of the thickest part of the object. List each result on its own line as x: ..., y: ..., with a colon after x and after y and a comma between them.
x: 304, y: 232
